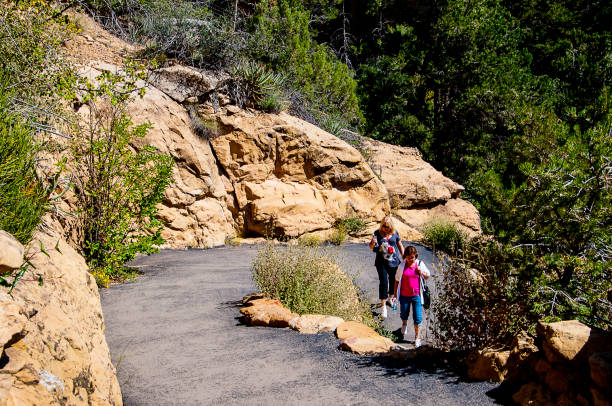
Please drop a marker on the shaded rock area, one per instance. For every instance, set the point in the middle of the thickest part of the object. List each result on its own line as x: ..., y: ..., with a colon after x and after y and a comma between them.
x: 246, y: 173
x: 54, y: 350
x: 570, y: 365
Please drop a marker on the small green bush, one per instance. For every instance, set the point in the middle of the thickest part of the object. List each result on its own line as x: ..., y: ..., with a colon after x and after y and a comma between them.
x: 444, y: 236
x: 338, y: 236
x: 345, y: 227
x: 117, y: 188
x: 353, y: 225
x: 23, y: 197
x: 309, y: 280
x: 254, y: 85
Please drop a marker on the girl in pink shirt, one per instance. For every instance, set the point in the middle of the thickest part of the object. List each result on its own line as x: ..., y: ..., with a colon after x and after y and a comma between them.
x: 409, y: 291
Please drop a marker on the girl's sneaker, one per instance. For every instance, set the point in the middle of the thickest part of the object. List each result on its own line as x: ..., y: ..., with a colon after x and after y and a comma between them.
x: 405, y: 330
x: 417, y: 343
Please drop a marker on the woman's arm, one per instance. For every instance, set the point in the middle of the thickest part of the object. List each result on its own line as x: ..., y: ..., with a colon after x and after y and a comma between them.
x: 373, y: 241
x: 400, y: 246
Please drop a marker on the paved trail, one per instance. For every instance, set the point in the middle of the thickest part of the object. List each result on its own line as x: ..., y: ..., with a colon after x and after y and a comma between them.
x: 175, y: 339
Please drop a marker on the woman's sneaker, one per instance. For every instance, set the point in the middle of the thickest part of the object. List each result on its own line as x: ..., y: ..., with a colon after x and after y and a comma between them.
x: 384, y: 312
x: 417, y: 343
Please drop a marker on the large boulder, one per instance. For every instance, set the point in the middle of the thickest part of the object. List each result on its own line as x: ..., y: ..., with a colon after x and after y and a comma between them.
x: 418, y: 193
x: 267, y: 313
x: 410, y: 180
x: 52, y: 336
x: 315, y: 323
x: 361, y: 339
x: 290, y: 177
x: 458, y: 211
x: 572, y: 341
x: 488, y: 365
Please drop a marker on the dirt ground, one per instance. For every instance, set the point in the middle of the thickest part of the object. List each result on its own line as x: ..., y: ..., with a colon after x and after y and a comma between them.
x: 175, y: 339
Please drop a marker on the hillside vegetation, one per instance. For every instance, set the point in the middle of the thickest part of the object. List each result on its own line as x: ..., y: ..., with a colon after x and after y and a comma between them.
x: 509, y: 98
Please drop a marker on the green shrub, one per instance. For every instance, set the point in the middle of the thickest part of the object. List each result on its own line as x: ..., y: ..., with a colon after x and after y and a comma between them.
x: 444, y: 236
x: 309, y: 280
x: 282, y: 39
x: 32, y: 34
x: 490, y: 291
x: 187, y: 31
x: 353, y: 225
x: 254, y: 85
x: 338, y: 235
x: 117, y: 188
x: 23, y: 196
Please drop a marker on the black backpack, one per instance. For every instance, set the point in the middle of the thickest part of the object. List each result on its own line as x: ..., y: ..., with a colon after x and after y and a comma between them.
x: 426, y: 293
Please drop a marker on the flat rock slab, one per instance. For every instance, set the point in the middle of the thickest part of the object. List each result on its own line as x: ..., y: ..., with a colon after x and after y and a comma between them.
x: 176, y: 340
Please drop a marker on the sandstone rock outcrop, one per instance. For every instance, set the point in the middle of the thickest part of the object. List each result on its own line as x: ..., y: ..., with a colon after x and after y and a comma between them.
x: 11, y: 254
x: 267, y: 312
x: 244, y: 173
x: 572, y: 341
x: 361, y: 339
x: 52, y: 336
x: 418, y: 193
x: 410, y: 181
x: 290, y: 177
x: 571, y: 365
x: 183, y: 83
x: 315, y: 323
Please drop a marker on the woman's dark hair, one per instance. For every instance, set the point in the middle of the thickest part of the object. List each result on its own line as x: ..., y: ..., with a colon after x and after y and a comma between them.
x: 410, y: 250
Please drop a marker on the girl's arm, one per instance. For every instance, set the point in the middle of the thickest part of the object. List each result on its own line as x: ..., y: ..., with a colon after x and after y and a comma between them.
x: 395, y: 288
x: 424, y: 270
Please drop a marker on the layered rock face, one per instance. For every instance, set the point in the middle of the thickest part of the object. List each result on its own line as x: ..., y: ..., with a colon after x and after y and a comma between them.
x: 290, y: 177
x: 54, y: 351
x: 417, y: 192
x: 254, y: 174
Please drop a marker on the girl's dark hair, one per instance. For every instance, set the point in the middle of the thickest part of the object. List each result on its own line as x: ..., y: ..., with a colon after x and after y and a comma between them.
x: 410, y: 250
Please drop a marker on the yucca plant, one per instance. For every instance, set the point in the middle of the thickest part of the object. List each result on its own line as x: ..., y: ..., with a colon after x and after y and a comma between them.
x: 253, y: 85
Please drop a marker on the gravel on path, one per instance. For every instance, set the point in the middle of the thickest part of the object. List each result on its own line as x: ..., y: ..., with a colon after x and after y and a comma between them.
x: 175, y: 339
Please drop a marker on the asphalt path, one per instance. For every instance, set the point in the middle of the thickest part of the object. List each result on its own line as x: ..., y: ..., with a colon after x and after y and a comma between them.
x: 175, y: 339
